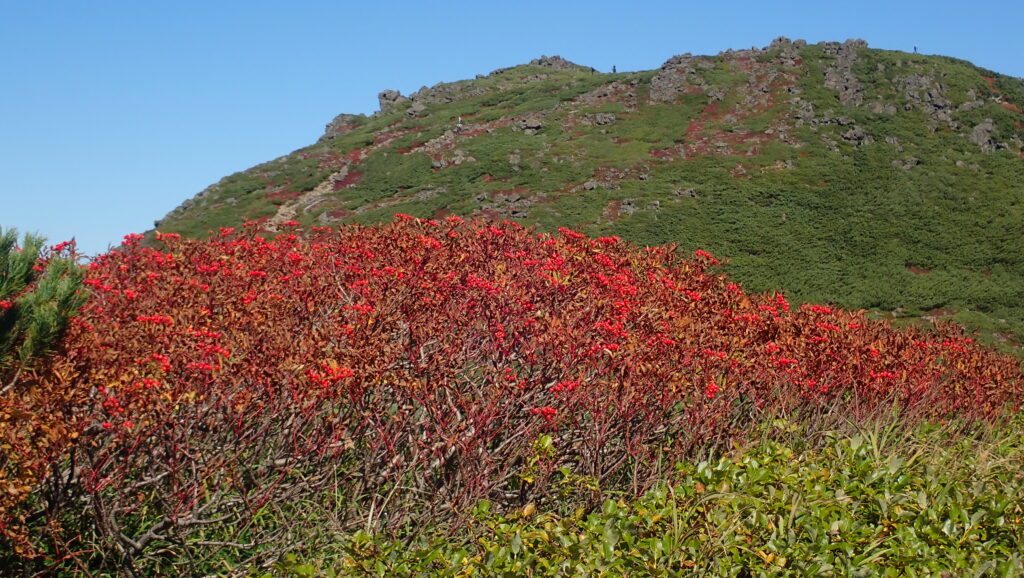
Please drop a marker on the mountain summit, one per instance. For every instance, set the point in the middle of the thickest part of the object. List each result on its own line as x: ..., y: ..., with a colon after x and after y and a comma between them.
x: 868, y: 178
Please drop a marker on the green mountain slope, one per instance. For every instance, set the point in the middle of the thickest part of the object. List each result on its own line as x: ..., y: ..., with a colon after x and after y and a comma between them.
x: 867, y: 178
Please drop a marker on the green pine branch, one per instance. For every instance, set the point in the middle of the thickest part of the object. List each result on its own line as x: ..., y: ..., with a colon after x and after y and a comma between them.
x: 39, y: 293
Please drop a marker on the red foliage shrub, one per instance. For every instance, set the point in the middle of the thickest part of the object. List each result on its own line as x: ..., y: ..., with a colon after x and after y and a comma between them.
x: 410, y: 368
x: 350, y: 180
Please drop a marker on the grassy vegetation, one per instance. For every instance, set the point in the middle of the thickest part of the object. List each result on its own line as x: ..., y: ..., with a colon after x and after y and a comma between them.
x: 872, y: 500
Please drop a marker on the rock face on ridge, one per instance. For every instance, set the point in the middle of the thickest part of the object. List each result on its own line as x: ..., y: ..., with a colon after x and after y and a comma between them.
x: 388, y: 99
x: 552, y: 62
x: 342, y: 124
x: 556, y: 62
x: 679, y: 74
x: 442, y: 93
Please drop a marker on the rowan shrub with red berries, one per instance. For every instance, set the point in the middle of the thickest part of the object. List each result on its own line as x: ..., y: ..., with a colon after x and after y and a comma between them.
x: 396, y: 375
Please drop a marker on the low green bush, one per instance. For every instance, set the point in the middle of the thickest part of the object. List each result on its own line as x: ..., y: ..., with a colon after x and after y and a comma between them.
x: 875, y: 502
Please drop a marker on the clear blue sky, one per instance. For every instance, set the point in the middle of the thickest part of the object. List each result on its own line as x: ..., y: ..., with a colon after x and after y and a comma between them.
x: 112, y: 112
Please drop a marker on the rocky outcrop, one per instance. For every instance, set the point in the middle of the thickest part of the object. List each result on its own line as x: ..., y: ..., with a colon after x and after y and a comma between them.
x: 907, y: 163
x: 514, y: 204
x: 342, y: 124
x: 442, y: 93
x: 618, y: 92
x: 388, y: 99
x: 630, y: 206
x: 678, y: 75
x: 789, y: 50
x: 556, y: 62
x: 981, y: 135
x: 803, y: 111
x: 839, y: 76
x: 457, y: 158
x: 882, y: 107
x: 599, y: 119
x: 857, y: 136
x: 805, y: 115
x: 416, y: 109
x: 529, y: 125
x: 925, y: 93
x: 972, y: 102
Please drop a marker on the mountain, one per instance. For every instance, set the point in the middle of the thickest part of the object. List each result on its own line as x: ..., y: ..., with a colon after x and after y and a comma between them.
x: 867, y: 178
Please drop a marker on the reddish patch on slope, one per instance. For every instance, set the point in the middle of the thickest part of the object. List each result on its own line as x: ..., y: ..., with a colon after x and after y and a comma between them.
x: 284, y: 194
x: 332, y: 161
x: 939, y: 313
x: 918, y: 270
x: 1011, y: 107
x: 613, y: 211
x: 350, y: 180
x: 673, y: 152
x: 339, y: 213
x: 415, y: 145
x: 482, y: 128
x: 390, y: 135
x: 991, y: 82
